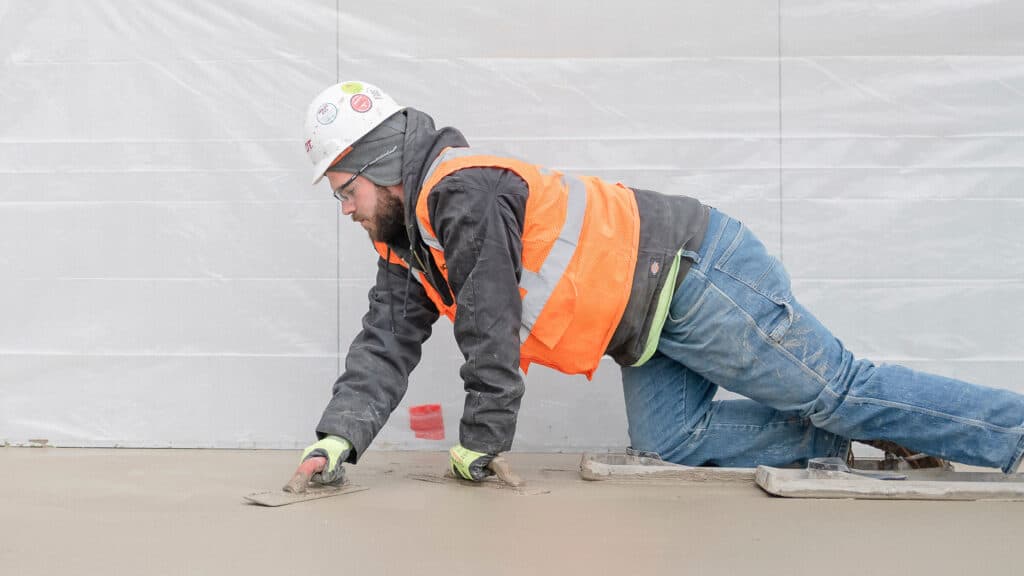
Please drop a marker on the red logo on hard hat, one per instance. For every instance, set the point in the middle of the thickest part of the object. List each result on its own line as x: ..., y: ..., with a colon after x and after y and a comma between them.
x: 309, y: 145
x: 361, y: 103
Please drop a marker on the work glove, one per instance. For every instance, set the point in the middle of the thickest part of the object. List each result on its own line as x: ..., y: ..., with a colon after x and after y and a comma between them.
x: 469, y: 465
x: 336, y: 450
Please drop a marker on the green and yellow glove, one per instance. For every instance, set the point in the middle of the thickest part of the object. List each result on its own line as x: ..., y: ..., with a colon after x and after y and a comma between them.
x: 336, y: 450
x: 468, y: 464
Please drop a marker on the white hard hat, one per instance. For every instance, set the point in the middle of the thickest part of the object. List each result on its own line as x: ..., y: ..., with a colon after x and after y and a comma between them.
x: 341, y: 115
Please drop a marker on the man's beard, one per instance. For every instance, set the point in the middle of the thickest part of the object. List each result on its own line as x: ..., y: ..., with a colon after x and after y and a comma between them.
x: 389, y: 220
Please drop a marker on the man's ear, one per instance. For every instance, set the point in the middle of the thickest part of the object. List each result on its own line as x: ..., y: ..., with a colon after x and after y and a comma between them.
x: 396, y: 190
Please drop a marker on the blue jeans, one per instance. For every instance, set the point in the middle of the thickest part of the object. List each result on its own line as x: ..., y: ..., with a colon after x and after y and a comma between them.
x: 734, y: 323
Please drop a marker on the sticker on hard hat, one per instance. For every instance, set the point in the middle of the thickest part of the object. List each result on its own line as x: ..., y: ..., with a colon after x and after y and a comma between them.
x: 326, y: 113
x: 351, y: 87
x: 361, y: 103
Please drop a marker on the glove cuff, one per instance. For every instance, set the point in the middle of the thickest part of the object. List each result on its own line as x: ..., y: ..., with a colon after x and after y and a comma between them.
x: 335, y: 444
x: 335, y: 449
x: 469, y: 464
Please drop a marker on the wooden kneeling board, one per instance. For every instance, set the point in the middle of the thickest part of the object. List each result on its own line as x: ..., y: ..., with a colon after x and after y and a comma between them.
x: 919, y: 485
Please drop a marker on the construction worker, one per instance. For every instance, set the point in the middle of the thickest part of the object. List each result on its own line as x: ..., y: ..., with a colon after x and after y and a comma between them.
x: 535, y: 266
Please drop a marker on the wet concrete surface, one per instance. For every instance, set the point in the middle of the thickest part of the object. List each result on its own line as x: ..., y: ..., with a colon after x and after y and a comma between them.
x: 153, y: 512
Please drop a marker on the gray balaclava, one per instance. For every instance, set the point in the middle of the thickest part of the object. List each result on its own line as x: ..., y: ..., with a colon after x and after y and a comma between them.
x: 379, y: 141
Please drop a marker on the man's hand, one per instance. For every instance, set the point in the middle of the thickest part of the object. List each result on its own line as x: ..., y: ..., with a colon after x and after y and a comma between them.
x: 335, y: 449
x: 469, y: 465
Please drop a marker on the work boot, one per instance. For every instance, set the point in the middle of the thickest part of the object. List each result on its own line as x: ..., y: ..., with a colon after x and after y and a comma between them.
x: 895, y: 454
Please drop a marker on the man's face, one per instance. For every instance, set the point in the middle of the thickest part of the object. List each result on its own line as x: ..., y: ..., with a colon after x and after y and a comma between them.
x: 377, y: 209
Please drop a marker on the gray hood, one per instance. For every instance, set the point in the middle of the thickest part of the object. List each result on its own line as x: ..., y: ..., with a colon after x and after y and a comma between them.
x: 423, y: 143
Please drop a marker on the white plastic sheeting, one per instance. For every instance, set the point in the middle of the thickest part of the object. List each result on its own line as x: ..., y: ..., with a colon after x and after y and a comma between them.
x: 168, y: 277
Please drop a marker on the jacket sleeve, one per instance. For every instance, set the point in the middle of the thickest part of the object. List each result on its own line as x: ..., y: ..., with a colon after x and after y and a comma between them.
x: 477, y: 214
x: 380, y: 359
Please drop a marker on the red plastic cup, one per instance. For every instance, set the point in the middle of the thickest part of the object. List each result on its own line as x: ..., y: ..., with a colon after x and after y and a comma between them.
x: 426, y: 421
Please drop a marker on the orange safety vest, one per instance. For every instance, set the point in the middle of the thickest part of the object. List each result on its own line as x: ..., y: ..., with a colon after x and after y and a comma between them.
x: 580, y: 240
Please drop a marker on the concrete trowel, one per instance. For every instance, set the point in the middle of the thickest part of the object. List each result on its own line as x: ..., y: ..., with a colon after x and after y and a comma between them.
x: 300, y: 489
x: 503, y: 479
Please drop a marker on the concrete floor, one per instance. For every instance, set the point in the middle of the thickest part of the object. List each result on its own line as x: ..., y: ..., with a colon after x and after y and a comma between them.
x: 152, y: 512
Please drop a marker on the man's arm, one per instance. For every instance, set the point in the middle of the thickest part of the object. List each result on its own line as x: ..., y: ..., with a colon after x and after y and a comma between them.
x: 478, y: 214
x: 380, y: 359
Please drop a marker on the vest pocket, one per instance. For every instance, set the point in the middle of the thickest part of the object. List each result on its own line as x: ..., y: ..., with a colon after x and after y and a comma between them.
x: 555, y: 317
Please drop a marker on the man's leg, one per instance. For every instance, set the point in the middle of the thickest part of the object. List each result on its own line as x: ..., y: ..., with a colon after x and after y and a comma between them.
x: 734, y: 321
x: 671, y: 413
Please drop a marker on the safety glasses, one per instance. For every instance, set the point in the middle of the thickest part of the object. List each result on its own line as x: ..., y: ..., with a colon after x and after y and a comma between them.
x: 340, y: 192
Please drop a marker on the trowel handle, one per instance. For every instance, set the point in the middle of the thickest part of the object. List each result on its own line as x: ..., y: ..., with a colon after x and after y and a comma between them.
x: 297, y: 484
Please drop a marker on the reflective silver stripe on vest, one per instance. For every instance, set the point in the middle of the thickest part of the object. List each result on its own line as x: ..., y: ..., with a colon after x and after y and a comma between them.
x: 415, y: 271
x: 449, y: 154
x: 538, y: 285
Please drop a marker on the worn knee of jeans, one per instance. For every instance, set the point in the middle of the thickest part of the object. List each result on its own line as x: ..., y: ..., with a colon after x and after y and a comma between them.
x: 645, y: 436
x: 664, y: 446
x: 823, y: 410
x: 671, y: 440
x: 651, y: 429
